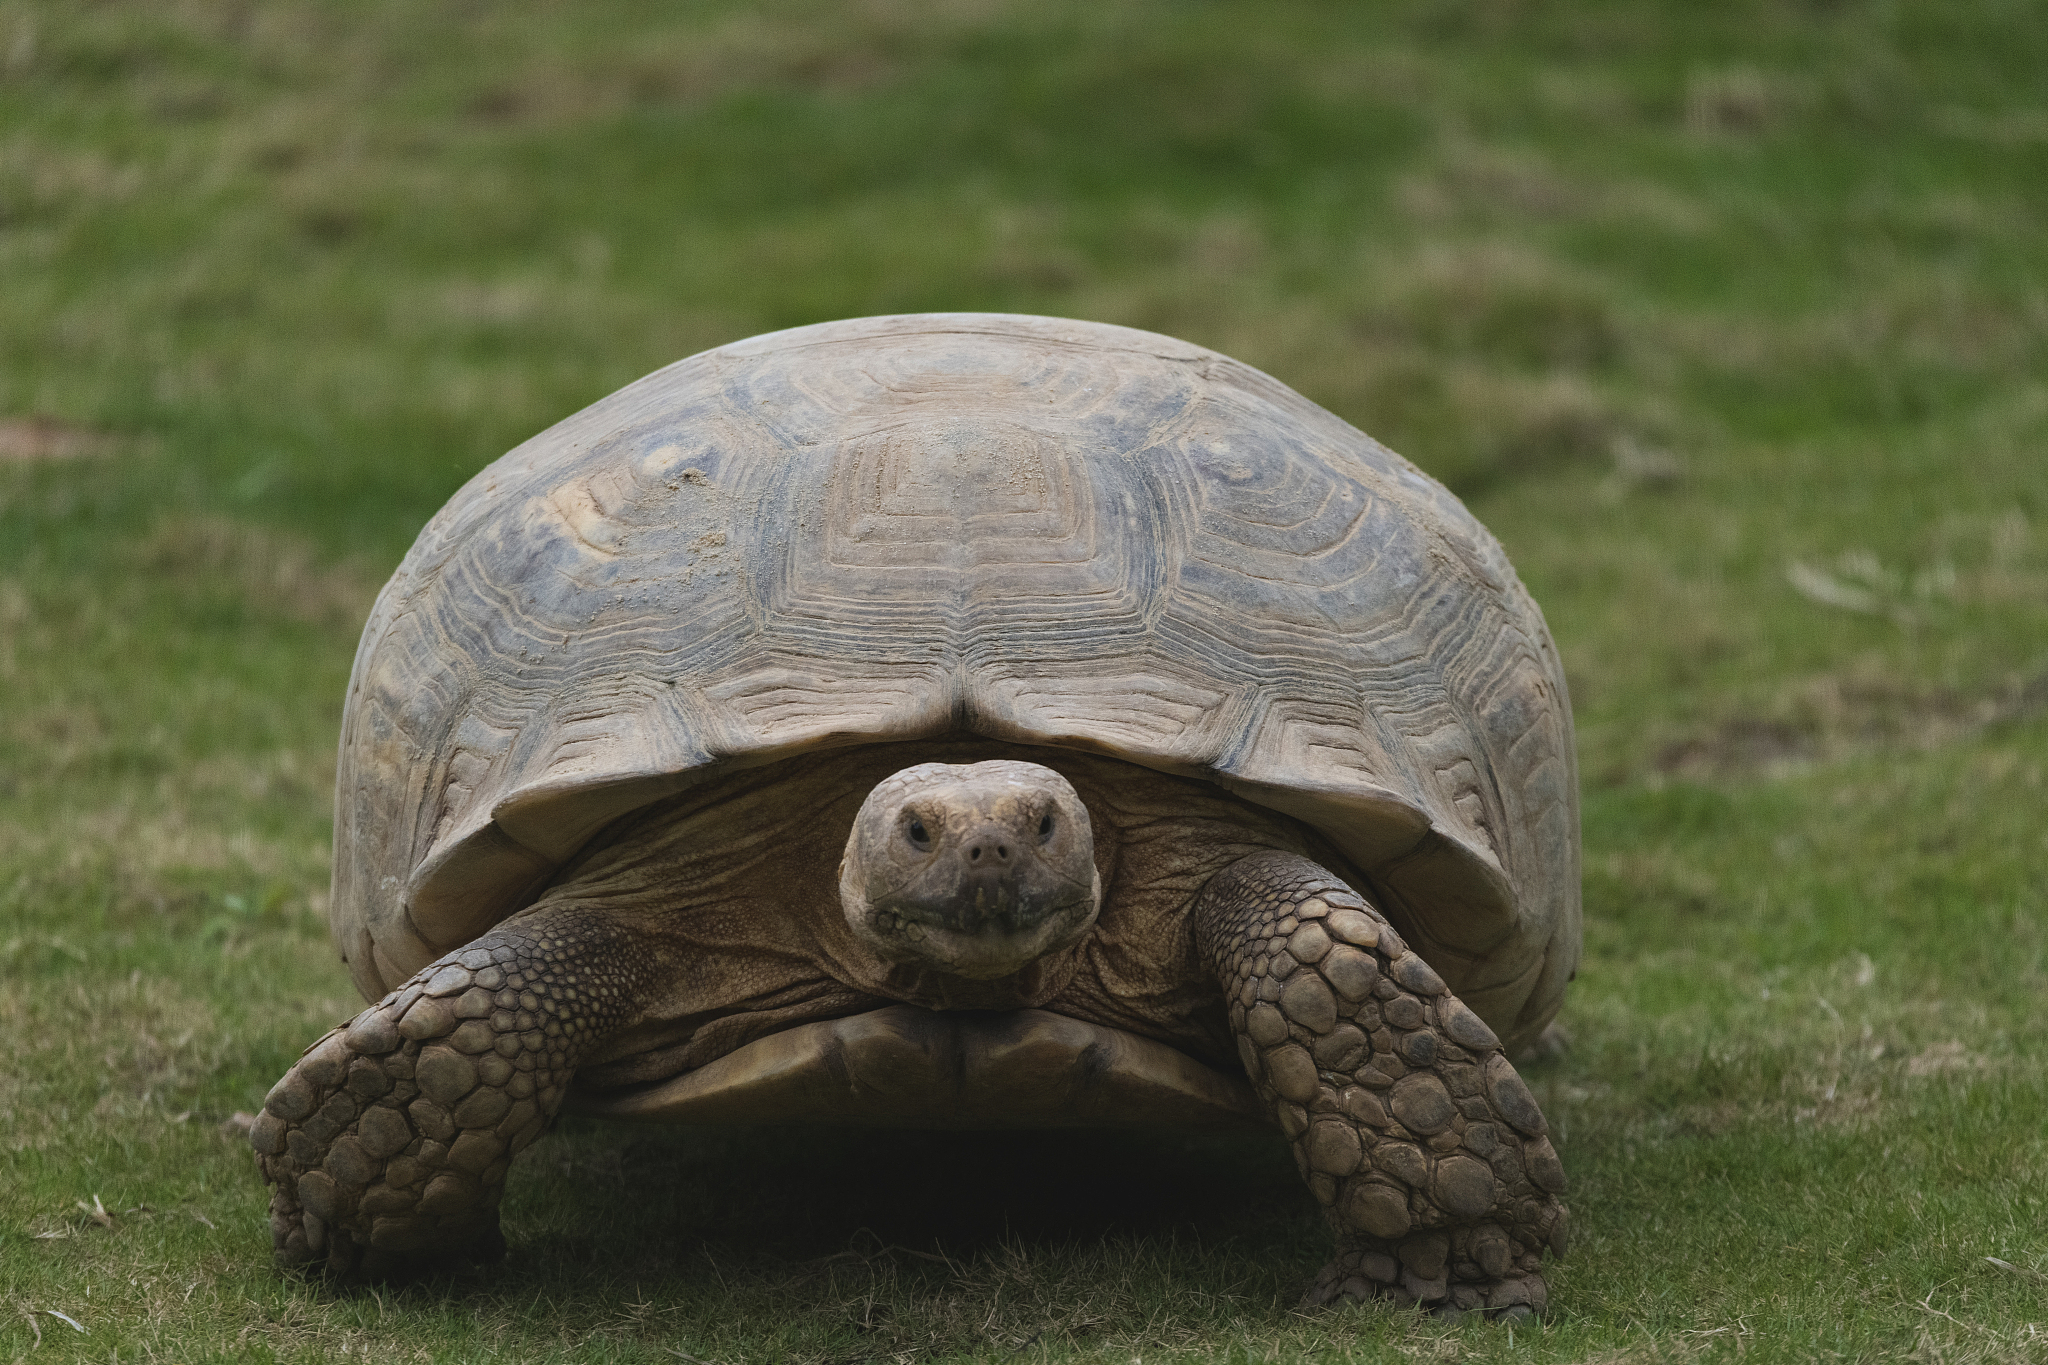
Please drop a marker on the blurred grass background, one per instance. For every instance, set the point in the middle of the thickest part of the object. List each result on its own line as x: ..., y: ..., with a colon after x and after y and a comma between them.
x: 1730, y: 320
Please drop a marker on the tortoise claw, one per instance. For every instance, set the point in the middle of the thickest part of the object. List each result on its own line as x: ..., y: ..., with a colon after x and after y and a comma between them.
x: 342, y: 1259
x: 1359, y: 1276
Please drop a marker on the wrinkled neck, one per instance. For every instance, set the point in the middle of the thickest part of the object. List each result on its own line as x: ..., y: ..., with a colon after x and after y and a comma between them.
x: 1037, y: 982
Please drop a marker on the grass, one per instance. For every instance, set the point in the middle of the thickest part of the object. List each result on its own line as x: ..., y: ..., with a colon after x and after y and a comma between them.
x: 1730, y: 320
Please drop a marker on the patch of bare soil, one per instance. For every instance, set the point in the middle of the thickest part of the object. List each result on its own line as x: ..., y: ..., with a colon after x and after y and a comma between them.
x: 1837, y: 714
x: 275, y: 571
x: 1743, y: 745
x: 24, y: 439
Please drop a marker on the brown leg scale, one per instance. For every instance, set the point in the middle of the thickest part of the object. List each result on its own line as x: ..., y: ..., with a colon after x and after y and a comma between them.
x: 386, y: 1145
x: 1422, y: 1144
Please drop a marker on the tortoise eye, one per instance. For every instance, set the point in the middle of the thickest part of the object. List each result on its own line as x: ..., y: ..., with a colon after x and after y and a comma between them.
x: 920, y: 838
x: 1045, y: 828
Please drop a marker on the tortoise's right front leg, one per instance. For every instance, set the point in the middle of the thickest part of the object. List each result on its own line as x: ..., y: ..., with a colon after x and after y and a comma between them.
x: 386, y: 1145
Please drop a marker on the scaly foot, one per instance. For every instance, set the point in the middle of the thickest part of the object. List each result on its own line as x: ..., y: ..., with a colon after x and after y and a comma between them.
x: 387, y: 1144
x: 1412, y: 1130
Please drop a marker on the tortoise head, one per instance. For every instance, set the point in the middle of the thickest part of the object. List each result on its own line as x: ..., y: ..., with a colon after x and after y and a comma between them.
x: 976, y: 870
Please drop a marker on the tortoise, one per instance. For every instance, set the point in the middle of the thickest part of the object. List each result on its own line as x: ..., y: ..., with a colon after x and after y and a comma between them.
x: 952, y: 720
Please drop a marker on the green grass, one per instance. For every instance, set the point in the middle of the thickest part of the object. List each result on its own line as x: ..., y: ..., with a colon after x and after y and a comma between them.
x: 1729, y: 319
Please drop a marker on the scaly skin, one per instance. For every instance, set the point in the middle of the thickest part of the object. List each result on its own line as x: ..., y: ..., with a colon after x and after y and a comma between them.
x: 386, y: 1145
x: 1424, y: 1147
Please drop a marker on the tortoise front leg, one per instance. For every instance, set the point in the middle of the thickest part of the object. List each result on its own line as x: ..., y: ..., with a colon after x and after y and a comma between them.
x: 386, y: 1145
x: 1416, y: 1135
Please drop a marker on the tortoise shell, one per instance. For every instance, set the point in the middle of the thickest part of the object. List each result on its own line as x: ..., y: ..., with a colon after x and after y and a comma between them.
x: 1035, y: 530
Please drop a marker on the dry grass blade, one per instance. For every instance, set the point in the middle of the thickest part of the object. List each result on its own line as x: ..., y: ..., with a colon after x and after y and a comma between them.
x: 2023, y: 1272
x: 1818, y: 585
x: 67, y: 1320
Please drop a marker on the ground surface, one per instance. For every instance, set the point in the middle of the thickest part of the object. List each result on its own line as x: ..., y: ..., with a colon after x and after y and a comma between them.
x: 1730, y: 320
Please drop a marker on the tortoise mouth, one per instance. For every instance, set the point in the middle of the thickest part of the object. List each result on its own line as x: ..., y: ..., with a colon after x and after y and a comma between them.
x: 907, y: 1067
x: 909, y: 933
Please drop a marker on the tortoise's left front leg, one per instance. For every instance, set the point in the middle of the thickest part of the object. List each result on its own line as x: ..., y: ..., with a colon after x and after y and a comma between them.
x: 1417, y: 1137
x: 386, y: 1146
